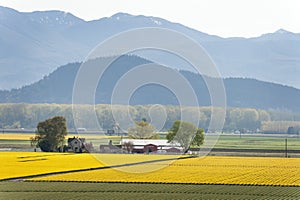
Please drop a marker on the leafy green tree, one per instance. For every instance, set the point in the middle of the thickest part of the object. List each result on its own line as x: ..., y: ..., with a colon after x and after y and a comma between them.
x: 50, y: 134
x: 142, y: 130
x: 199, y: 138
x: 185, y: 134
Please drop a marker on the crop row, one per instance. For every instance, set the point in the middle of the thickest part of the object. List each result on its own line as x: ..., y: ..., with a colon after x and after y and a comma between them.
x: 208, y: 170
x: 75, y: 190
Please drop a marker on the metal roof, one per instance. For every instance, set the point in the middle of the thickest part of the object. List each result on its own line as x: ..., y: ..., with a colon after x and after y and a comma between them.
x: 143, y: 142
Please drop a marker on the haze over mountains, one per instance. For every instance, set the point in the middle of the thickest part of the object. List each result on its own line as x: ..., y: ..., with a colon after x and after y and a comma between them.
x: 247, y: 93
x: 34, y: 44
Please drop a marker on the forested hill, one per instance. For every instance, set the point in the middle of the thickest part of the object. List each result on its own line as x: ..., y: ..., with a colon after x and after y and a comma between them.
x: 58, y: 86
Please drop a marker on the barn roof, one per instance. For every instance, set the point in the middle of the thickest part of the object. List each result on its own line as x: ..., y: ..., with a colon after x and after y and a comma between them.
x: 78, y: 139
x: 144, y: 142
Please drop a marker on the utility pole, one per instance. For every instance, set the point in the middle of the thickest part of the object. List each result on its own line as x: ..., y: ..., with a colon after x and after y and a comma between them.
x: 286, y: 148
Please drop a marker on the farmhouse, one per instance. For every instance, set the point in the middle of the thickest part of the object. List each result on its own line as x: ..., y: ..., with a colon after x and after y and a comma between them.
x: 76, y: 144
x: 150, y: 146
x: 110, y: 148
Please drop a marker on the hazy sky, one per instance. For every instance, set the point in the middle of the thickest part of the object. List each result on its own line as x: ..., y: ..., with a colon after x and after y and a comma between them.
x: 227, y: 18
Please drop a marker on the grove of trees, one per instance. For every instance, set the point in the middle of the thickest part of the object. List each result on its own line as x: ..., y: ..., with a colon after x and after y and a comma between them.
x: 29, y: 115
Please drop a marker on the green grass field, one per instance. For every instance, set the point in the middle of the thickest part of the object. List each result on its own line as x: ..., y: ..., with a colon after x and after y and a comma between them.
x: 73, y: 190
x: 224, y: 141
x: 256, y: 142
x: 24, y: 142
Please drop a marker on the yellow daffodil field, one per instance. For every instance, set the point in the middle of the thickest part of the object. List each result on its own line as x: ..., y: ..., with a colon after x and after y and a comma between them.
x: 23, y: 164
x: 19, y: 164
x: 208, y: 170
x: 36, y: 175
x: 37, y: 166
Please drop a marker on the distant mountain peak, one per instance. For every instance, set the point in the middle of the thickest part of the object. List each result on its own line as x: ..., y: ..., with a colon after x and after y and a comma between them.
x: 280, y: 34
x: 155, y: 20
x: 121, y: 15
x: 3, y: 9
x: 6, y: 13
x: 33, y: 44
x: 282, y: 31
x: 54, y: 17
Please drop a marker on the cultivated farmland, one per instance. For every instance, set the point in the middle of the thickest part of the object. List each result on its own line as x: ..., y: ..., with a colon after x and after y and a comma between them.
x: 207, y: 170
x: 125, y: 191
x: 84, y: 176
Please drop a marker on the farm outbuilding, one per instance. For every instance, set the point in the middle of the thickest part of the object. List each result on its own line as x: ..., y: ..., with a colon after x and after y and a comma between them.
x: 150, y: 146
x: 110, y: 148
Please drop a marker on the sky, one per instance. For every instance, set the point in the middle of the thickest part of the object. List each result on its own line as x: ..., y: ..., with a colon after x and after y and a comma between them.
x: 225, y: 18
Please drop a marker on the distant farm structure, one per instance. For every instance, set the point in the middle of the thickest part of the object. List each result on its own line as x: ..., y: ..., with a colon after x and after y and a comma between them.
x: 79, y: 145
x: 149, y: 146
x: 142, y: 146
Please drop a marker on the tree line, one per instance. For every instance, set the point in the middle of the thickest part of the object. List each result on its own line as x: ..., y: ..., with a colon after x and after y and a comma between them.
x: 29, y: 115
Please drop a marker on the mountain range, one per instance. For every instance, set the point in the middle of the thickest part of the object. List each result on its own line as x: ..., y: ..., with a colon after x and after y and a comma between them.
x: 241, y: 92
x: 35, y: 44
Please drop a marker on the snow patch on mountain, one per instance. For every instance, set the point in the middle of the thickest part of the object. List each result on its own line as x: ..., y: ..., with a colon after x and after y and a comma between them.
x: 157, y: 22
